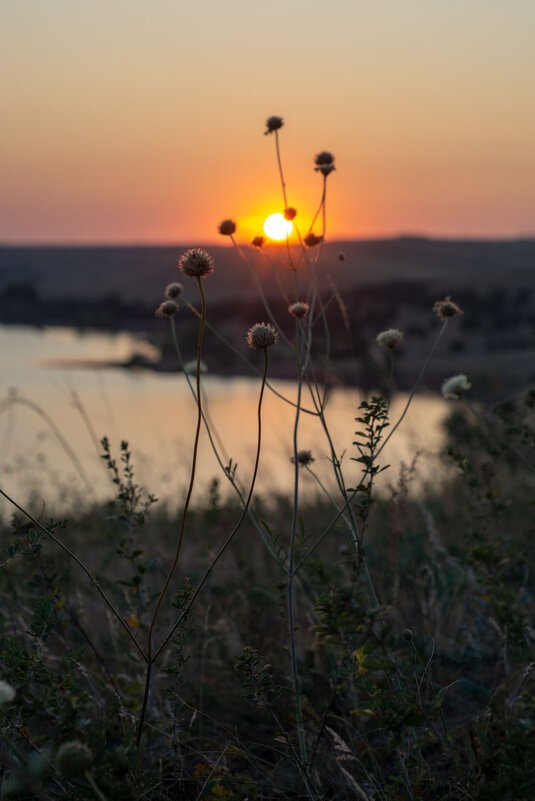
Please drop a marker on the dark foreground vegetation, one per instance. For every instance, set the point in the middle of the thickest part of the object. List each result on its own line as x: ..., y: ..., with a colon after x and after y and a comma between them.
x: 414, y: 649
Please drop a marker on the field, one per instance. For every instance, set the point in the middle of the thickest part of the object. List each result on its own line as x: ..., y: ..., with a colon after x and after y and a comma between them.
x: 344, y: 644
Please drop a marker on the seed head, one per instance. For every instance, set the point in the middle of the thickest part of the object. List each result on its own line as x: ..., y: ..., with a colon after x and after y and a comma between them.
x: 299, y: 309
x: 290, y: 213
x: 453, y: 388
x: 273, y: 124
x: 304, y: 458
x: 195, y: 263
x: 324, y: 158
x: 166, y: 309
x: 341, y: 256
x: 446, y: 308
x: 173, y: 290
x: 258, y: 242
x: 312, y: 241
x: 7, y: 692
x: 261, y: 336
x: 73, y: 759
x: 227, y: 227
x: 390, y: 338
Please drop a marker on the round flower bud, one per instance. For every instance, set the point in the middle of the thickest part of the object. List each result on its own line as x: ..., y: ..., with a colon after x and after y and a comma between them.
x: 227, y: 227
x: 73, y: 759
x: 173, y: 290
x: 390, y: 338
x: 166, y: 309
x: 196, y: 262
x: 258, y: 242
x: 453, y: 388
x: 299, y: 309
x: 312, y: 241
x: 407, y: 635
x: 304, y: 458
x: 324, y: 158
x: 190, y: 368
x: 7, y: 692
x: 290, y: 213
x: 261, y: 336
x: 446, y: 308
x: 341, y: 256
x: 273, y: 124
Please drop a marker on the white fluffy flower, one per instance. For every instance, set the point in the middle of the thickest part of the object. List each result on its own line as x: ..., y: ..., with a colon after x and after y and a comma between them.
x: 7, y: 693
x: 454, y: 387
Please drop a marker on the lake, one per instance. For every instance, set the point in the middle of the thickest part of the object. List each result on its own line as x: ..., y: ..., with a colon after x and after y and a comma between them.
x: 58, y: 380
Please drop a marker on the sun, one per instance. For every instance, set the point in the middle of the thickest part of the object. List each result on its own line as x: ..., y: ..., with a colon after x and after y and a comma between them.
x: 276, y: 227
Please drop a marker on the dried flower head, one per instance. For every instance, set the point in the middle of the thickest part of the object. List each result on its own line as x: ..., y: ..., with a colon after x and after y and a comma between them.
x: 324, y: 158
x: 341, y: 256
x: 273, y: 124
x: 166, y: 309
x: 73, y: 759
x: 304, y: 458
x: 173, y: 290
x: 446, y: 308
x: 258, y: 242
x: 453, y: 388
x: 7, y: 692
x: 261, y: 335
x: 190, y: 368
x: 290, y: 213
x: 390, y: 338
x: 312, y: 241
x: 196, y: 262
x: 227, y: 227
x: 299, y: 309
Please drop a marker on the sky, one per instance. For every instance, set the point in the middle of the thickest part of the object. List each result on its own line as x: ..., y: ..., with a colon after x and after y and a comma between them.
x: 126, y: 121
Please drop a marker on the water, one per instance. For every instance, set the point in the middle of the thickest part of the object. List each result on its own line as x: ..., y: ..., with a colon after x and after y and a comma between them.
x: 65, y: 374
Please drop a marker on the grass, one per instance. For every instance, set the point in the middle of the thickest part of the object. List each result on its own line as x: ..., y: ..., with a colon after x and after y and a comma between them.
x: 338, y: 646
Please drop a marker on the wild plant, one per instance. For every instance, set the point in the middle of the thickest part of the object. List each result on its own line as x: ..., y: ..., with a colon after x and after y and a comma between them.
x: 313, y: 651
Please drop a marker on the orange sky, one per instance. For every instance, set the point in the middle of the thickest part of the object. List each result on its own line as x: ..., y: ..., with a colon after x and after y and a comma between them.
x: 130, y: 121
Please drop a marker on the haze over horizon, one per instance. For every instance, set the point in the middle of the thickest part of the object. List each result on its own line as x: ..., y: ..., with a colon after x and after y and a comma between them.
x: 130, y: 123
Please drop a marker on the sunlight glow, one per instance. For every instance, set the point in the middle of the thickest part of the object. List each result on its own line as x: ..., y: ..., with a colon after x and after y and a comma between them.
x: 276, y: 227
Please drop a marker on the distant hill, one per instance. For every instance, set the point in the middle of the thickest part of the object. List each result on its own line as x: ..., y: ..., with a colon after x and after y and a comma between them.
x: 140, y: 273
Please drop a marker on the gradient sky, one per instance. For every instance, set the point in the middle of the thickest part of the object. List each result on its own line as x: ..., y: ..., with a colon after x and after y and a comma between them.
x: 130, y: 121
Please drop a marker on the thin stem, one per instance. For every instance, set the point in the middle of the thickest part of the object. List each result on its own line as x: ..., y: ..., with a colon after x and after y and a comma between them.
x: 279, y: 162
x: 236, y: 527
x: 90, y: 574
x: 291, y: 571
x: 427, y: 676
x: 209, y: 428
x: 184, y: 513
x: 94, y: 786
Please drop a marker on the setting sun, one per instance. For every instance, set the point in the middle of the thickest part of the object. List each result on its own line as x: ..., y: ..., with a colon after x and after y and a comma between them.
x: 276, y: 227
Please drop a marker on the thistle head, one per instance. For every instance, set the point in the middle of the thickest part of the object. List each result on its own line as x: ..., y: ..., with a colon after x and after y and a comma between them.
x: 299, y: 309
x: 312, y: 241
x: 227, y: 227
x: 273, y: 124
x: 261, y: 336
x: 166, y: 309
x: 341, y: 256
x: 173, y: 290
x: 446, y: 308
x: 290, y: 213
x: 454, y: 388
x: 324, y: 162
x: 258, y: 242
x: 196, y: 263
x: 390, y: 338
x: 304, y: 458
